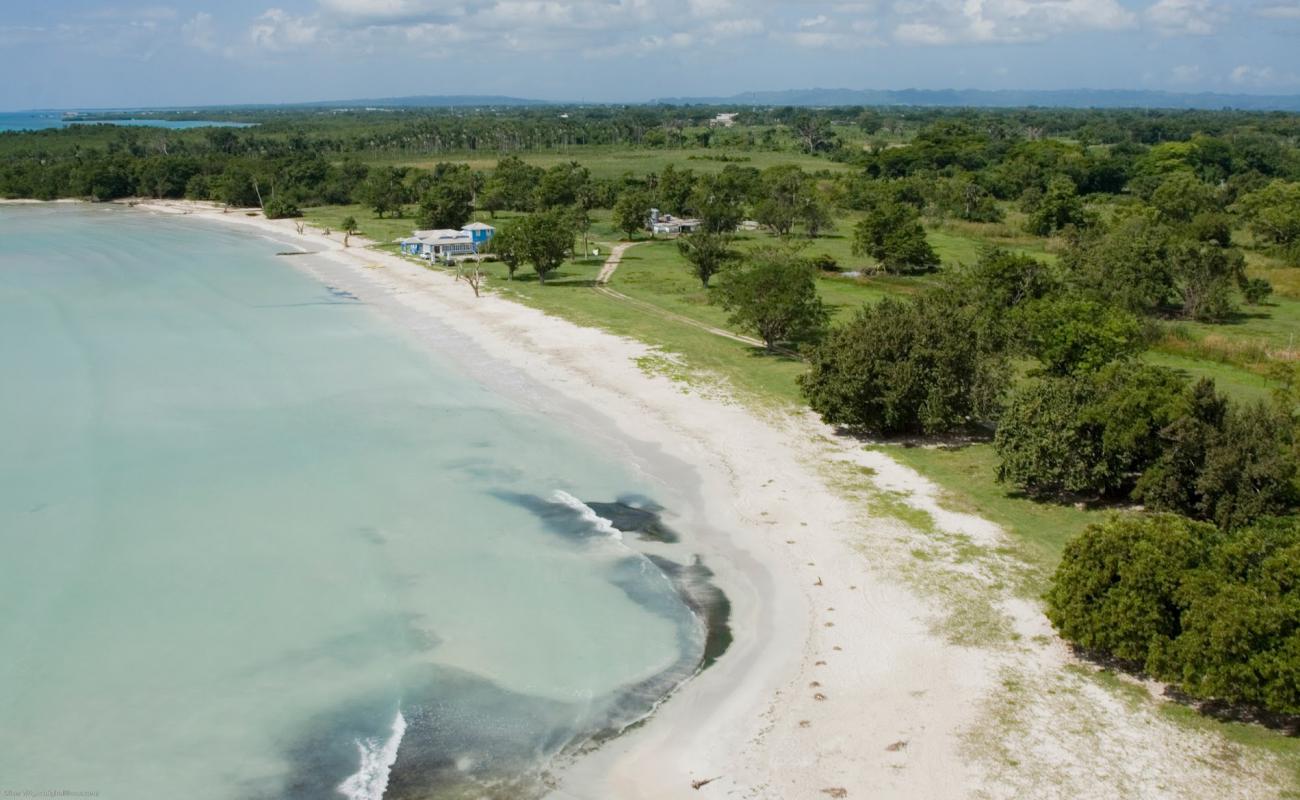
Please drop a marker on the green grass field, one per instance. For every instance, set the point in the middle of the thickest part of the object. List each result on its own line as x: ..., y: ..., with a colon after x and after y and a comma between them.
x: 654, y: 273
x: 615, y: 162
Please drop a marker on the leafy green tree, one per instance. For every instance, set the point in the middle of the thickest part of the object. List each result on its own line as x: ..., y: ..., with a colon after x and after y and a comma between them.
x: 675, y: 188
x: 775, y: 295
x: 814, y: 213
x: 1170, y: 483
x: 1181, y: 196
x: 963, y: 198
x: 904, y: 367
x: 632, y: 211
x: 707, y: 254
x: 1256, y: 290
x: 543, y: 239
x: 1070, y: 335
x: 1240, y: 633
x: 448, y: 204
x: 1250, y: 468
x: 1127, y: 263
x: 1060, y: 207
x: 791, y: 197
x: 511, y: 186
x: 813, y: 132
x: 349, y: 228
x: 892, y: 234
x: 1116, y: 588
x: 1090, y: 434
x: 1210, y: 227
x: 505, y: 245
x: 235, y: 187
x: 560, y: 186
x: 1274, y: 212
x: 1204, y: 277
x: 383, y: 191
x: 995, y: 286
x: 719, y: 204
x: 788, y: 197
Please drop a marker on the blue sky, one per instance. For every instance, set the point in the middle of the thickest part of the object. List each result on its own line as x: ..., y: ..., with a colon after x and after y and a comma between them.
x: 83, y: 53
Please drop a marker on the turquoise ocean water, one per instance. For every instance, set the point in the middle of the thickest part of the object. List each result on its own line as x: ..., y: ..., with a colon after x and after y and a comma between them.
x: 258, y: 542
x: 38, y: 120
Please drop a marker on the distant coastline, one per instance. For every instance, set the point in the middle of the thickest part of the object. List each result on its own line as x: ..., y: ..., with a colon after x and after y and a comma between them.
x: 44, y: 120
x: 192, y: 116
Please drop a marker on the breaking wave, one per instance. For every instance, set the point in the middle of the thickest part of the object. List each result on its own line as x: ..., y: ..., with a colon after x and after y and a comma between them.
x: 377, y: 759
x: 589, y: 516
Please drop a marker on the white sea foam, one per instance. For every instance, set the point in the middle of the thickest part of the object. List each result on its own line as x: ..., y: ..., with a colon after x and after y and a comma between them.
x: 588, y: 515
x: 371, y: 780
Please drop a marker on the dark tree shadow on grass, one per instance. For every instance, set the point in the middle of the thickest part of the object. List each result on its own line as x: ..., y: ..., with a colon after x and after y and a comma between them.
x: 1219, y: 710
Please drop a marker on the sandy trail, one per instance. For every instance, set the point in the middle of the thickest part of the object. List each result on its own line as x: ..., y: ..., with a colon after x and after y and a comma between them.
x: 611, y: 263
x: 873, y: 657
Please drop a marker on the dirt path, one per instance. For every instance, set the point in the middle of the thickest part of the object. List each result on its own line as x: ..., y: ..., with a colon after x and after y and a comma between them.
x: 611, y: 263
x: 607, y: 272
x: 669, y: 315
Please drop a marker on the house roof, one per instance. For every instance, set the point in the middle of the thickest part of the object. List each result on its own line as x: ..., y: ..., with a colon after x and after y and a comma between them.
x: 478, y: 226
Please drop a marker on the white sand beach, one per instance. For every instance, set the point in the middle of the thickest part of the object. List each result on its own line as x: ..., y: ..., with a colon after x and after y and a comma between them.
x: 859, y: 668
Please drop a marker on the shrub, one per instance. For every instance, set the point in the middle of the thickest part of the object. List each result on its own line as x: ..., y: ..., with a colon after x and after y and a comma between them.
x: 279, y: 207
x: 1088, y: 434
x: 892, y: 234
x: 904, y: 367
x: 1115, y: 590
x: 1240, y: 638
x: 1212, y: 612
x: 1073, y: 336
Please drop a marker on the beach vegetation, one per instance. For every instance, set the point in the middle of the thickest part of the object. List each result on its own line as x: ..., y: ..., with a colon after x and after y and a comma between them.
x: 905, y: 366
x: 543, y: 239
x: 892, y: 234
x: 448, y: 202
x: 707, y: 254
x: 1209, y: 611
x: 773, y: 293
x: 632, y: 212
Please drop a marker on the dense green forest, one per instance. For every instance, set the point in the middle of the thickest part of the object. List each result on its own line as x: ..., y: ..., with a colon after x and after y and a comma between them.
x: 1102, y: 234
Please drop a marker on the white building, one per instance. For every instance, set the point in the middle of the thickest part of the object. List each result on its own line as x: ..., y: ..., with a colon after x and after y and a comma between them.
x: 439, y: 245
x: 667, y: 223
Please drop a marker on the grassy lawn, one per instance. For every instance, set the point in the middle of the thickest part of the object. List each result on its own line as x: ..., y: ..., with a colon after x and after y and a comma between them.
x: 968, y: 475
x: 614, y: 162
x: 1234, y: 381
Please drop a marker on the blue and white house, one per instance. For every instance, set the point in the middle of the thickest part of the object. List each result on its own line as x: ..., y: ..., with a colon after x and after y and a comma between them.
x: 481, y: 232
x: 440, y: 245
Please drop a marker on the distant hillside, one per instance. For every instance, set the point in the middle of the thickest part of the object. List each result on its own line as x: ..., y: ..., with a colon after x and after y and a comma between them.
x: 1064, y: 98
x: 427, y: 101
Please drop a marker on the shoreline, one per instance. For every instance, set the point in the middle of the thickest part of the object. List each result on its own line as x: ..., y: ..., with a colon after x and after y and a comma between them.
x: 842, y: 680
x: 719, y: 724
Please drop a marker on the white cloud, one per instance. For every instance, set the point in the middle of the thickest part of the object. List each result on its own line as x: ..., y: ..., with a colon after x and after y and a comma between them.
x: 199, y: 32
x: 1263, y: 77
x: 392, y: 9
x: 936, y: 22
x: 711, y: 8
x: 1185, y: 17
x: 1279, y: 11
x: 278, y: 30
x: 813, y: 22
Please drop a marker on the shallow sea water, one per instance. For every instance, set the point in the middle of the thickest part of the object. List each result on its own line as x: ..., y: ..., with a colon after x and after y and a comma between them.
x: 257, y: 542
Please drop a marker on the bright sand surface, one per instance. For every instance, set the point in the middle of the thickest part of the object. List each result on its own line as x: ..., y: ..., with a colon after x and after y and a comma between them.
x: 859, y: 668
